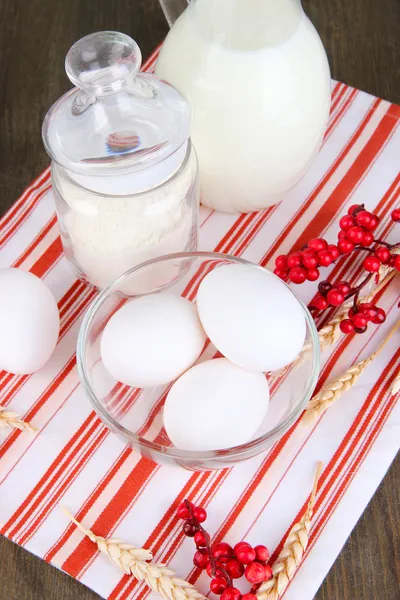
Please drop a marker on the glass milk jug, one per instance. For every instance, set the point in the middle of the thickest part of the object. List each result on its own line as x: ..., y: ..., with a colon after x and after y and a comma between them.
x: 257, y: 77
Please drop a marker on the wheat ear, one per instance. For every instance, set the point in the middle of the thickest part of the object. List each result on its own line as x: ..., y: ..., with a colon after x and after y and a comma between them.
x: 396, y: 384
x: 334, y: 389
x: 135, y: 561
x: 292, y: 553
x: 330, y: 333
x: 12, y: 420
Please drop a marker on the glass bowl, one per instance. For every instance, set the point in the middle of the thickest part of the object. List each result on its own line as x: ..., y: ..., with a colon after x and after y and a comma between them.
x: 135, y: 415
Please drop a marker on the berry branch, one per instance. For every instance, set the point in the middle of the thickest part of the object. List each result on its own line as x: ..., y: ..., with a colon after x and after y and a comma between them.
x: 355, y: 235
x: 222, y: 562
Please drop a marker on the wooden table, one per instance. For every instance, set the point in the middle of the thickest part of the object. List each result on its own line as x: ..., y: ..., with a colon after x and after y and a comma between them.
x: 363, y: 43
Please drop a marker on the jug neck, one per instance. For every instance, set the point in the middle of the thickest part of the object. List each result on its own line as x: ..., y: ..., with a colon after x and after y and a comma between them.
x: 243, y: 25
x: 260, y: 10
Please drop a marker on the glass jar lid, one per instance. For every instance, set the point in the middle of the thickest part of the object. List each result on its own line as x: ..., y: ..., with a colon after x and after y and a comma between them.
x: 116, y: 120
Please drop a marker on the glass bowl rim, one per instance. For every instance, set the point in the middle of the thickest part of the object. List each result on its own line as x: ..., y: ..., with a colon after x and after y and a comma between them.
x: 261, y: 443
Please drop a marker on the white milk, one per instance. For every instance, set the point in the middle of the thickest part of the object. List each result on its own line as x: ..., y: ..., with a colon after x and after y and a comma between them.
x: 258, y: 79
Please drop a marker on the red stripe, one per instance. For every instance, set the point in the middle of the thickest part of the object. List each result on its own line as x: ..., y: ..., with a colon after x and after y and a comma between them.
x: 343, y: 109
x: 353, y: 176
x: 28, y: 210
x: 87, y: 455
x: 20, y: 203
x: 81, y: 515
x: 35, y: 409
x: 337, y: 96
x: 129, y: 490
x: 48, y: 227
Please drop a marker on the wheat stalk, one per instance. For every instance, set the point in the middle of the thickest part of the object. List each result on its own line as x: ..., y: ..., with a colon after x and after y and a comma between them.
x: 135, y: 561
x: 334, y: 389
x: 285, y: 566
x: 12, y: 420
x: 331, y: 332
x: 396, y: 384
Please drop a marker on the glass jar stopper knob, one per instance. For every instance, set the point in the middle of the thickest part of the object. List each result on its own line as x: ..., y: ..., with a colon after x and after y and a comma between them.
x: 103, y: 62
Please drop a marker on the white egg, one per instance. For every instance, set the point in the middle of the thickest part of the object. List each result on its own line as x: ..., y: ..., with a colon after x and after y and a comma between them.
x: 251, y: 317
x: 215, y: 405
x: 152, y: 340
x: 29, y: 322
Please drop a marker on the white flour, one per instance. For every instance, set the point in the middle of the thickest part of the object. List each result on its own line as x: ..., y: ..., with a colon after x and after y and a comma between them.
x: 105, y: 236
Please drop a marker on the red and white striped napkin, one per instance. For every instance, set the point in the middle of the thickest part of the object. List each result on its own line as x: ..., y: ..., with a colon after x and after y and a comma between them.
x: 76, y: 462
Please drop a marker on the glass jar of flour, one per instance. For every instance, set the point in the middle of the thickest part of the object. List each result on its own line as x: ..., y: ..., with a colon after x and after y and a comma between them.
x: 124, y: 171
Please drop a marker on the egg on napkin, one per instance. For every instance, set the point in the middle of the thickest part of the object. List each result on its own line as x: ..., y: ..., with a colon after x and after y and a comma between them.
x: 29, y: 322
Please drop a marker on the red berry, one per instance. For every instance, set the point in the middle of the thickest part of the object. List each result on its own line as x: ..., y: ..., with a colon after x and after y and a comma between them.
x: 190, y: 529
x: 320, y: 302
x: 396, y: 215
x: 364, y: 218
x: 355, y: 235
x: 218, y: 572
x: 281, y: 274
x: 344, y: 287
x: 281, y: 262
x: 249, y: 597
x: 368, y: 310
x: 234, y: 568
x: 355, y: 208
x: 347, y: 326
x: 297, y: 275
x: 383, y: 254
x: 221, y: 550
x: 334, y: 251
x: 360, y: 321
x: 345, y: 246
x: 200, y: 539
x: 244, y: 553
x: 262, y: 553
x: 182, y: 512
x: 255, y: 572
x: 373, y: 223
x: 368, y: 239
x: 239, y: 545
x: 341, y: 234
x: 372, y: 264
x: 231, y: 593
x: 325, y: 258
x: 318, y: 244
x: 199, y: 514
x: 313, y: 274
x: 335, y: 297
x: 324, y: 287
x: 380, y: 317
x: 397, y: 262
x: 294, y: 260
x: 268, y: 573
x: 218, y: 585
x: 201, y: 559
x: 310, y: 259
x: 361, y: 330
x: 346, y: 222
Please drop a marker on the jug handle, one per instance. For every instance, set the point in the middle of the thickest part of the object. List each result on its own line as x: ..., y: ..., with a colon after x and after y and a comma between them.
x: 172, y: 9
